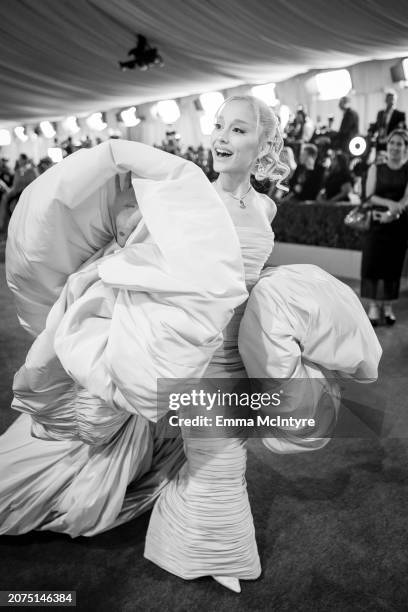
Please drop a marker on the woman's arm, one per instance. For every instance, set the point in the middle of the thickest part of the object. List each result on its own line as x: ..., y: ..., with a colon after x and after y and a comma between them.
x: 125, y: 211
x: 271, y: 213
x: 371, y: 181
x: 404, y: 200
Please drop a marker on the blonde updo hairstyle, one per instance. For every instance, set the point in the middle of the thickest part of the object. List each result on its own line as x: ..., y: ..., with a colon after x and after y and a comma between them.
x: 271, y: 165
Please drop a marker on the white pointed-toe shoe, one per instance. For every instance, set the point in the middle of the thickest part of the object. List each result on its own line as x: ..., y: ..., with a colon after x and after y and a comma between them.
x: 230, y: 582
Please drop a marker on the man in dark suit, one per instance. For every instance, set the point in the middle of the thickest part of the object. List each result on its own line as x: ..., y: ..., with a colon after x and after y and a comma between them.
x: 388, y: 119
x: 349, y: 125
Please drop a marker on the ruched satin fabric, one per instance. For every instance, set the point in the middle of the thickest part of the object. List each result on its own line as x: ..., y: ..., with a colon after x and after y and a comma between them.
x: 75, y: 488
x: 202, y: 523
x: 109, y: 323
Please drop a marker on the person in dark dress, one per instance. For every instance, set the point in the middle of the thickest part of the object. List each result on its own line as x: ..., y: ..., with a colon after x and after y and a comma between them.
x: 306, y: 181
x: 385, y: 243
x: 338, y: 182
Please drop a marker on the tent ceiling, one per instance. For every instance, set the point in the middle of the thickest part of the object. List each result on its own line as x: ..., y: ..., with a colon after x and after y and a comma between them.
x: 60, y: 57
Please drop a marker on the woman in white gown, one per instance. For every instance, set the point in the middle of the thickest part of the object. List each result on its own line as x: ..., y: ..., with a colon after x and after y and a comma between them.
x: 198, y: 522
x: 91, y: 450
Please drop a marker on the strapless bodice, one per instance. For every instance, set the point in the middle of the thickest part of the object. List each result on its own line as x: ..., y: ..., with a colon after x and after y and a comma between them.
x: 256, y: 246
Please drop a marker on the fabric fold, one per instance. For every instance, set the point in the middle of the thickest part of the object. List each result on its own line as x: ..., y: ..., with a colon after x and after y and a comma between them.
x: 303, y: 329
x: 127, y: 317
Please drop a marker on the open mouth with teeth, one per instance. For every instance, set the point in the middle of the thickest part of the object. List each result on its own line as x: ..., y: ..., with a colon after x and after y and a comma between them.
x: 222, y: 153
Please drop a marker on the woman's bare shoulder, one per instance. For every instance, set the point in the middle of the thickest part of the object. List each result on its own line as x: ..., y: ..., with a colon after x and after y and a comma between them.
x: 270, y: 206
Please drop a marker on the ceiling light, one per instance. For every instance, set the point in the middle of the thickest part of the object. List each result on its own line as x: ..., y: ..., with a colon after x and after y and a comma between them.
x: 334, y: 84
x: 5, y: 138
x: 211, y: 102
x: 168, y: 111
x: 20, y: 133
x: 70, y: 124
x: 96, y: 122
x: 266, y: 93
x: 47, y: 129
x: 128, y: 116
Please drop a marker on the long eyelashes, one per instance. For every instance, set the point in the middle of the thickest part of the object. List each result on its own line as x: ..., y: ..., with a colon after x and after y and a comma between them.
x: 235, y: 130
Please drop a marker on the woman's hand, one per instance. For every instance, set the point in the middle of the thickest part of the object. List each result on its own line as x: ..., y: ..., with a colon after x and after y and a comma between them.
x: 387, y: 210
x: 125, y: 211
x: 394, y: 209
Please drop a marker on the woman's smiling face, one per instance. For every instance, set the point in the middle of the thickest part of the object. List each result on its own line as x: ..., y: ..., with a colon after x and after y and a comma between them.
x: 396, y: 148
x: 235, y: 141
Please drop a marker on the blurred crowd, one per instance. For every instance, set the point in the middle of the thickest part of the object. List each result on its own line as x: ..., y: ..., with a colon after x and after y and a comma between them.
x: 328, y: 165
x: 14, y: 180
x: 325, y: 165
x: 200, y: 155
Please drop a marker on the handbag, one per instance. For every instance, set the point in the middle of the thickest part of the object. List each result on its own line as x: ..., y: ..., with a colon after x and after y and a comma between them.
x: 359, y: 218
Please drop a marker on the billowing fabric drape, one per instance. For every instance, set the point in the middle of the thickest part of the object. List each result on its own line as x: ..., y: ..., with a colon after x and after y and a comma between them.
x: 155, y: 309
x: 301, y: 331
x: 109, y: 322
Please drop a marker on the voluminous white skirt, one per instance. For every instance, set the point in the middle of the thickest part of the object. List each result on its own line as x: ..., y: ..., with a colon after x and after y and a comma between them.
x: 79, y: 489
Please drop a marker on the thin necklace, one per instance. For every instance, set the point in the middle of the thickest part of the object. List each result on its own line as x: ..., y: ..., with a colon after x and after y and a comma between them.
x: 240, y: 199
